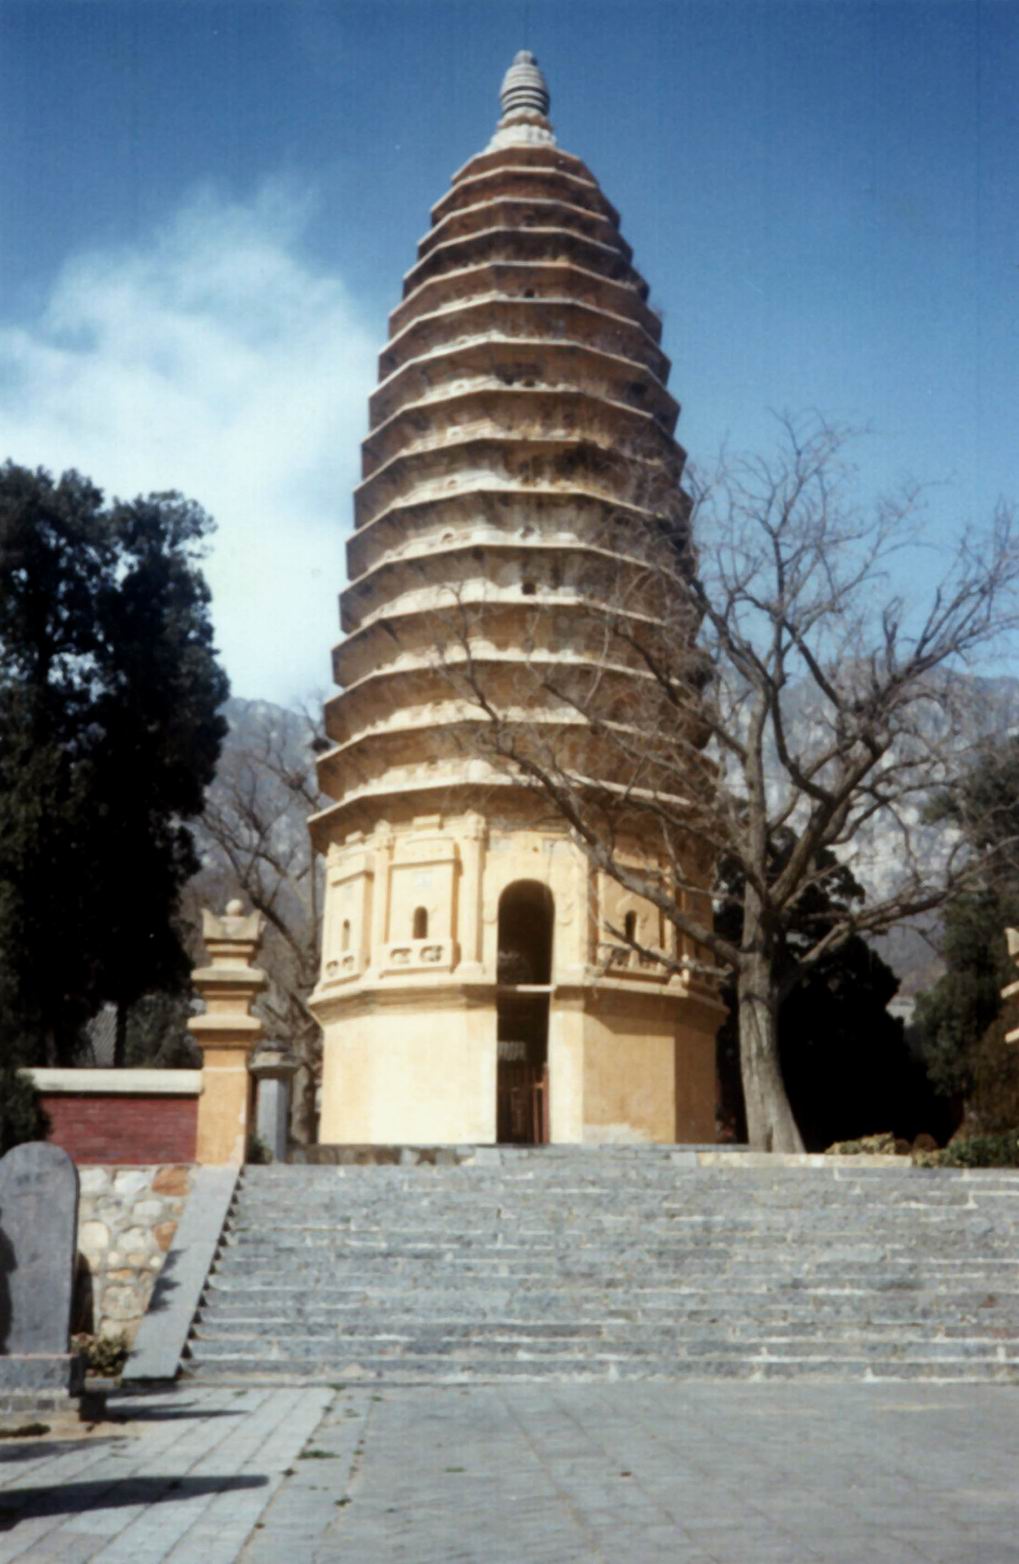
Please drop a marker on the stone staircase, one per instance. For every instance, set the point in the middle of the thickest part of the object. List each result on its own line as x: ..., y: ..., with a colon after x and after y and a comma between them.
x: 613, y: 1263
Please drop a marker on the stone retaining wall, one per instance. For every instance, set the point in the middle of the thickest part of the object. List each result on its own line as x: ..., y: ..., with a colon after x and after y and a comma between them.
x: 126, y: 1222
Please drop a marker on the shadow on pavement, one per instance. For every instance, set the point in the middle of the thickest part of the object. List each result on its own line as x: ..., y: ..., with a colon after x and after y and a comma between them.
x: 123, y: 1412
x: 12, y: 1450
x: 22, y: 1504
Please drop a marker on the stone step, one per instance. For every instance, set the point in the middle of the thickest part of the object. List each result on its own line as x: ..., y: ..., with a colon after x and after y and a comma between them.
x: 625, y: 1336
x: 610, y: 1263
x: 411, y: 1369
x: 871, y: 1344
x: 573, y: 1269
x: 641, y: 1170
x: 875, y: 1249
x: 737, y: 1192
x: 606, y: 1202
x: 929, y: 1316
x: 549, y: 1226
x: 482, y: 1297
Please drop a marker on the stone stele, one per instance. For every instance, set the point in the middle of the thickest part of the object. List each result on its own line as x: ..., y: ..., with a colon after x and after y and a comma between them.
x: 38, y: 1239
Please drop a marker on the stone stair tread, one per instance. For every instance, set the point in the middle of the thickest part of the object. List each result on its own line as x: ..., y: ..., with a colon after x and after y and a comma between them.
x: 354, y: 1368
x: 600, y: 1263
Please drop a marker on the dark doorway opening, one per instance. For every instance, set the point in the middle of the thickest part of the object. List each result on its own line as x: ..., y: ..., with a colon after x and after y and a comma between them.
x: 522, y: 1004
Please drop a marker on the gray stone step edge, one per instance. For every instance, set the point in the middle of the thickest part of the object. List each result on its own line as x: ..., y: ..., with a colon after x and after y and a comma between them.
x: 166, y: 1325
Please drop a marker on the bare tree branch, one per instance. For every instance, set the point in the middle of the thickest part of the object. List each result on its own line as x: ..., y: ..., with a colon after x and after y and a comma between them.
x: 705, y: 707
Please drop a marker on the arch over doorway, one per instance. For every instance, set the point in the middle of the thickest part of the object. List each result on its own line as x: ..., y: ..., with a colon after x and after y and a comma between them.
x: 524, y: 977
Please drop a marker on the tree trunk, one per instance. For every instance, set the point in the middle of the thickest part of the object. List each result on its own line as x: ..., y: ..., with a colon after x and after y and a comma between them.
x: 770, y: 1122
x: 120, y: 1037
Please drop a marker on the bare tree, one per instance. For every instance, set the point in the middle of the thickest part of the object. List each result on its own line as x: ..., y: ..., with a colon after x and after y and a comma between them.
x: 778, y: 682
x: 253, y: 840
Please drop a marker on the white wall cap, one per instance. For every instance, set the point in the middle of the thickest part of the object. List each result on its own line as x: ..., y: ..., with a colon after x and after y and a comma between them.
x: 125, y: 1083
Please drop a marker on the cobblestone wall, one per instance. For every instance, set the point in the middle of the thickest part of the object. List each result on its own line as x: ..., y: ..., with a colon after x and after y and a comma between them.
x: 126, y: 1223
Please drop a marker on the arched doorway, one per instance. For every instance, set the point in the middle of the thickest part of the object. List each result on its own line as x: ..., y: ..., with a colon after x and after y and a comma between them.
x: 524, y: 976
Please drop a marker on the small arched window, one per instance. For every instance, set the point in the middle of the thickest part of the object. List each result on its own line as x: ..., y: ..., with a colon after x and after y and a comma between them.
x: 345, y: 935
x: 420, y: 925
x: 630, y: 926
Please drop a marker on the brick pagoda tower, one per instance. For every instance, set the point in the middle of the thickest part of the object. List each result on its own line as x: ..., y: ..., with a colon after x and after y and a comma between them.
x: 521, y: 418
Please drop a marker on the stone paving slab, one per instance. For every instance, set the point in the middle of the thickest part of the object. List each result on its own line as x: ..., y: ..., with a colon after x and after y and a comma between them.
x: 184, y: 1478
x: 692, y: 1474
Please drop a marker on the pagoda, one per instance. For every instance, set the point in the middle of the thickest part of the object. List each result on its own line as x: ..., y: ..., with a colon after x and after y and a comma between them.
x: 473, y: 986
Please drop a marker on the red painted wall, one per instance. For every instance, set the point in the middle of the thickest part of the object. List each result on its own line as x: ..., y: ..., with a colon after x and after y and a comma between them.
x: 117, y: 1128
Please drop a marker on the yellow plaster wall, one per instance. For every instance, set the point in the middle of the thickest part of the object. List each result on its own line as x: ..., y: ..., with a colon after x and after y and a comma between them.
x: 415, y: 1073
x: 629, y: 1076
x: 566, y: 1072
x: 646, y: 1077
x: 410, y: 1026
x: 696, y: 1077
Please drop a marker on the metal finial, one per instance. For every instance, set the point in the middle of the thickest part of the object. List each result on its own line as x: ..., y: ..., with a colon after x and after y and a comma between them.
x: 524, y: 87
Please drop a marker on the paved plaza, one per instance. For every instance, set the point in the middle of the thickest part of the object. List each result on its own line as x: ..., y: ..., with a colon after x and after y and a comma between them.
x: 692, y: 1473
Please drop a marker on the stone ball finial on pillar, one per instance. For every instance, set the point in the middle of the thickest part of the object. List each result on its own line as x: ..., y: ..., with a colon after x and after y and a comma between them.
x: 227, y: 1032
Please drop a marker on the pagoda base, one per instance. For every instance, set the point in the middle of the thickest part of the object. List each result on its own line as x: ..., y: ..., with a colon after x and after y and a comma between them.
x: 422, y: 1068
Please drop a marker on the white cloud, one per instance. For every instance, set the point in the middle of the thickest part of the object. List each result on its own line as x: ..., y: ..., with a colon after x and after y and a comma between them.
x: 213, y: 359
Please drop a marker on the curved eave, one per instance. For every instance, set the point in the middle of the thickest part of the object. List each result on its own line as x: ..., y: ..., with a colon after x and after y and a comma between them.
x: 455, y: 289
x: 369, y: 803
x: 446, y: 739
x: 404, y: 515
x: 536, y: 155
x: 489, y: 402
x: 517, y: 244
x: 372, y: 583
x: 512, y: 213
x: 393, y: 621
x: 454, y: 789
x: 463, y: 320
x: 490, y: 355
x: 470, y: 191
x: 383, y: 689
x: 414, y: 463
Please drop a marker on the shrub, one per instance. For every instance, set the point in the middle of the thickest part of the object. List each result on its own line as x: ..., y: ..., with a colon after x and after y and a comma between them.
x: 105, y: 1355
x: 999, y: 1150
x: 21, y: 1114
x: 884, y: 1145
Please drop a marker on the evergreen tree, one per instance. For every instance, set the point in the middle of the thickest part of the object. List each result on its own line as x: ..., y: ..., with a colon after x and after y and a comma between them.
x: 22, y: 1116
x: 109, y: 733
x: 959, y: 1025
x: 844, y: 1059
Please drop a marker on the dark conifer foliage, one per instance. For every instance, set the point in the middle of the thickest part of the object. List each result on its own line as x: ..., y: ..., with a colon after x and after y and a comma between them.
x: 960, y: 1028
x: 109, y: 733
x: 845, y: 1062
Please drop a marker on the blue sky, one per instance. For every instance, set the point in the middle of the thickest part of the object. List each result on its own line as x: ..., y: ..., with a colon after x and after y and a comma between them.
x: 206, y: 210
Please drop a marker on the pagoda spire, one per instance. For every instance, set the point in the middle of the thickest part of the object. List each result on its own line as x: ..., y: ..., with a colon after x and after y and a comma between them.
x: 524, y: 99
